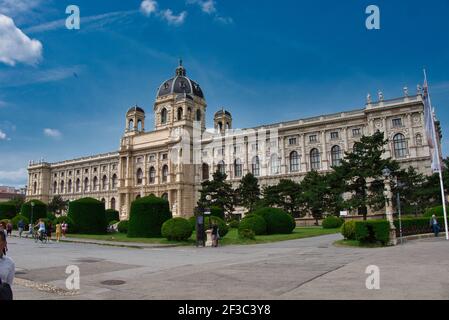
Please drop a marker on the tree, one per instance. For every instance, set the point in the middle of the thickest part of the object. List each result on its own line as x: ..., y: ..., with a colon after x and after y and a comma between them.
x: 362, y: 172
x: 57, y: 205
x: 334, y: 201
x: 221, y: 192
x: 412, y: 194
x: 286, y: 195
x: 248, y: 193
x: 314, y: 194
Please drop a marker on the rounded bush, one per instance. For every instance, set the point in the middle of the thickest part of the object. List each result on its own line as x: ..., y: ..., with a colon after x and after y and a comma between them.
x: 51, y: 216
x: 88, y: 216
x: 255, y: 223
x: 39, y: 210
x: 437, y: 211
x: 348, y: 230
x: 123, y: 226
x: 234, y: 224
x: 7, y: 210
x: 112, y: 215
x: 177, y: 229
x: 222, y: 227
x: 278, y: 221
x: 247, y: 234
x: 147, y: 216
x: 16, y: 220
x: 332, y: 222
x: 192, y: 221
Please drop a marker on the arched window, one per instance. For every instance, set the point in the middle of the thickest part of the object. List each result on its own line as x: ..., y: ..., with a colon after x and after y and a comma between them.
x: 86, y: 184
x: 274, y: 164
x: 103, y: 200
x: 164, y: 116
x: 61, y: 187
x: 255, y: 166
x: 55, y: 187
x: 139, y: 176
x: 419, y: 139
x: 399, y: 146
x: 220, y: 126
x: 104, y: 182
x: 164, y: 173
x: 205, y: 171
x: 180, y: 114
x: 198, y: 115
x: 69, y: 186
x: 139, y: 125
x: 95, y: 184
x: 113, y: 203
x: 294, y: 161
x: 335, y: 156
x: 78, y: 185
x: 34, y: 187
x: 152, y: 175
x: 131, y: 125
x: 221, y: 167
x: 238, y: 172
x: 114, y: 181
x: 315, y: 159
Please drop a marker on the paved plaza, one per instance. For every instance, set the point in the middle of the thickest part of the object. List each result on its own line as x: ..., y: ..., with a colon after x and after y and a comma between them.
x: 310, y: 268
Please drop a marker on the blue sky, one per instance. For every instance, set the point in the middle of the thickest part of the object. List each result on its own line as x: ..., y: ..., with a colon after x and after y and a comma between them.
x: 64, y: 93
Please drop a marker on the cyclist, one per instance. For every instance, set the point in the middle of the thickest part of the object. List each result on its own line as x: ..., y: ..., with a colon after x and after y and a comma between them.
x: 41, y: 230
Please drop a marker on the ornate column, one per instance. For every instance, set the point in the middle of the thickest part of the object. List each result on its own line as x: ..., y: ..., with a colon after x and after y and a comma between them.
x: 324, y: 158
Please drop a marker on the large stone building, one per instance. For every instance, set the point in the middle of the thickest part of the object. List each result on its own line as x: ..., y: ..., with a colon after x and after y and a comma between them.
x: 172, y: 160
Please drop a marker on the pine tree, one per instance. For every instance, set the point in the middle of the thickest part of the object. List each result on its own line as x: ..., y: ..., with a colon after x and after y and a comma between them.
x: 248, y: 192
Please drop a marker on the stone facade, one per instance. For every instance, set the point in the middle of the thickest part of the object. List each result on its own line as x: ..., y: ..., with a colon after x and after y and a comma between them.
x: 172, y: 160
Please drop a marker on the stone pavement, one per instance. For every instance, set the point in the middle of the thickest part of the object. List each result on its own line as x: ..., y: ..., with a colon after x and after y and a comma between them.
x: 309, y: 268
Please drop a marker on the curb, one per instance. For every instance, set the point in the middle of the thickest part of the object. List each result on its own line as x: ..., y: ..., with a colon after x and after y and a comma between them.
x: 420, y: 236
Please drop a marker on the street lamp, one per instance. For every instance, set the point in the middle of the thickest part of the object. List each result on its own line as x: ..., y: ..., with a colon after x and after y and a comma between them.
x: 386, y: 172
x: 399, y: 184
x: 32, y: 207
x: 207, y: 210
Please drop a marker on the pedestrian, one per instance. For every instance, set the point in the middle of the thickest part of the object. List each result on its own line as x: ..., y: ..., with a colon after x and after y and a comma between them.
x: 58, y: 232
x: 49, y: 231
x: 215, y: 235
x: 20, y: 226
x: 434, y: 225
x: 9, y: 228
x: 64, y: 229
x: 7, y: 270
x: 30, y: 230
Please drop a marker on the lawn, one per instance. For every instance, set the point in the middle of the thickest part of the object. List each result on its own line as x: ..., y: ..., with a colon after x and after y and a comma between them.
x: 231, y: 238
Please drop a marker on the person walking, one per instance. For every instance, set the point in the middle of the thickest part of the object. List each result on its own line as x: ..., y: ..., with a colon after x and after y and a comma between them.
x: 215, y: 235
x: 49, y: 231
x: 434, y: 225
x: 7, y: 270
x: 58, y: 232
x: 9, y: 228
x: 30, y: 230
x: 20, y: 226
x: 64, y: 229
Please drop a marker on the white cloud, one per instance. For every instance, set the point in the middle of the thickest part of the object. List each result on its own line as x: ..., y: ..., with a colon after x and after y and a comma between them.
x: 15, y: 46
x: 148, y: 7
x: 15, y: 7
x: 207, y: 6
x: 224, y: 20
x: 13, y: 177
x: 2, y: 135
x: 52, y: 133
x: 172, y: 18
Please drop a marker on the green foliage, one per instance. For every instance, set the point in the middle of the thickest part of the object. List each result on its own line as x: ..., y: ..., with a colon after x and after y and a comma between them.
x: 39, y: 210
x: 331, y: 222
x: 147, y: 216
x: 51, y: 216
x: 437, y: 211
x: 247, y: 234
x: 217, y: 212
x: 372, y: 231
x: 222, y: 227
x: 57, y: 205
x: 123, y: 226
x: 412, y: 193
x: 7, y: 210
x: 16, y: 220
x: 17, y: 202
x: 255, y: 223
x: 88, y: 216
x: 234, y: 224
x: 248, y: 192
x: 113, y: 222
x: 177, y: 229
x: 412, y: 226
x: 314, y: 190
x: 112, y: 215
x: 285, y: 195
x: 278, y: 221
x: 192, y: 221
x: 348, y: 230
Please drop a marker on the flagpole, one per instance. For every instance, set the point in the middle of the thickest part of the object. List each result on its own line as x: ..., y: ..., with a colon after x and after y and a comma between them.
x: 437, y: 150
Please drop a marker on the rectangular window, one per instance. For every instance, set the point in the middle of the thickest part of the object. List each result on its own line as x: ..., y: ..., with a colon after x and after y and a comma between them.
x: 164, y: 156
x: 334, y: 135
x: 77, y: 172
x: 95, y: 169
x: 104, y: 168
x: 70, y: 173
x: 86, y: 170
x: 397, y: 122
x: 292, y: 141
x: 356, y: 132
x: 152, y: 157
x: 114, y: 166
x: 312, y: 138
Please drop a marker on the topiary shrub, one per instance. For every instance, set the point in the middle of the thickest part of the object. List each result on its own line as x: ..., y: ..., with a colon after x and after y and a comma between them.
x: 372, y: 231
x: 7, y: 210
x: 278, y: 221
x: 222, y: 227
x: 437, y: 211
x: 192, y: 221
x: 88, y: 216
x: 123, y: 226
x: 39, y: 210
x: 112, y: 215
x: 247, y: 234
x: 234, y: 224
x: 348, y: 230
x: 147, y: 216
x: 255, y: 223
x: 16, y: 220
x: 177, y: 229
x: 332, y: 222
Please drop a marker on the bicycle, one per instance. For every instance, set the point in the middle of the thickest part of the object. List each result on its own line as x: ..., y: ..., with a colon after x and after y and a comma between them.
x: 40, y: 236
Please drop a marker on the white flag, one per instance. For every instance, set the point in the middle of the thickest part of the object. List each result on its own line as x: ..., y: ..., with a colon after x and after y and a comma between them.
x: 430, y: 128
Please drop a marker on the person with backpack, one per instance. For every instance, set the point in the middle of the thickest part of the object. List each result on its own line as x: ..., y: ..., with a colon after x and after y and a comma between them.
x: 7, y: 271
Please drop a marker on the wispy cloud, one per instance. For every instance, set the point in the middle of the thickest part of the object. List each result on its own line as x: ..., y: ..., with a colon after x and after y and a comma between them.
x: 172, y: 18
x: 151, y: 7
x: 13, y: 177
x: 2, y: 135
x: 53, y: 133
x: 16, y: 46
x: 148, y: 7
x: 210, y: 7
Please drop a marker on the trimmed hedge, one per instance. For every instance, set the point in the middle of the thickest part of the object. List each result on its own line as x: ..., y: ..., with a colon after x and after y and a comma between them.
x: 177, y: 229
x: 112, y: 215
x: 123, y: 226
x: 7, y: 210
x: 147, y: 216
x: 332, y: 222
x: 222, y: 226
x: 39, y: 210
x: 247, y: 234
x: 255, y: 223
x: 278, y: 221
x: 437, y: 211
x: 412, y: 226
x: 348, y: 230
x: 372, y: 231
x: 88, y: 216
x: 192, y: 221
x: 16, y: 220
